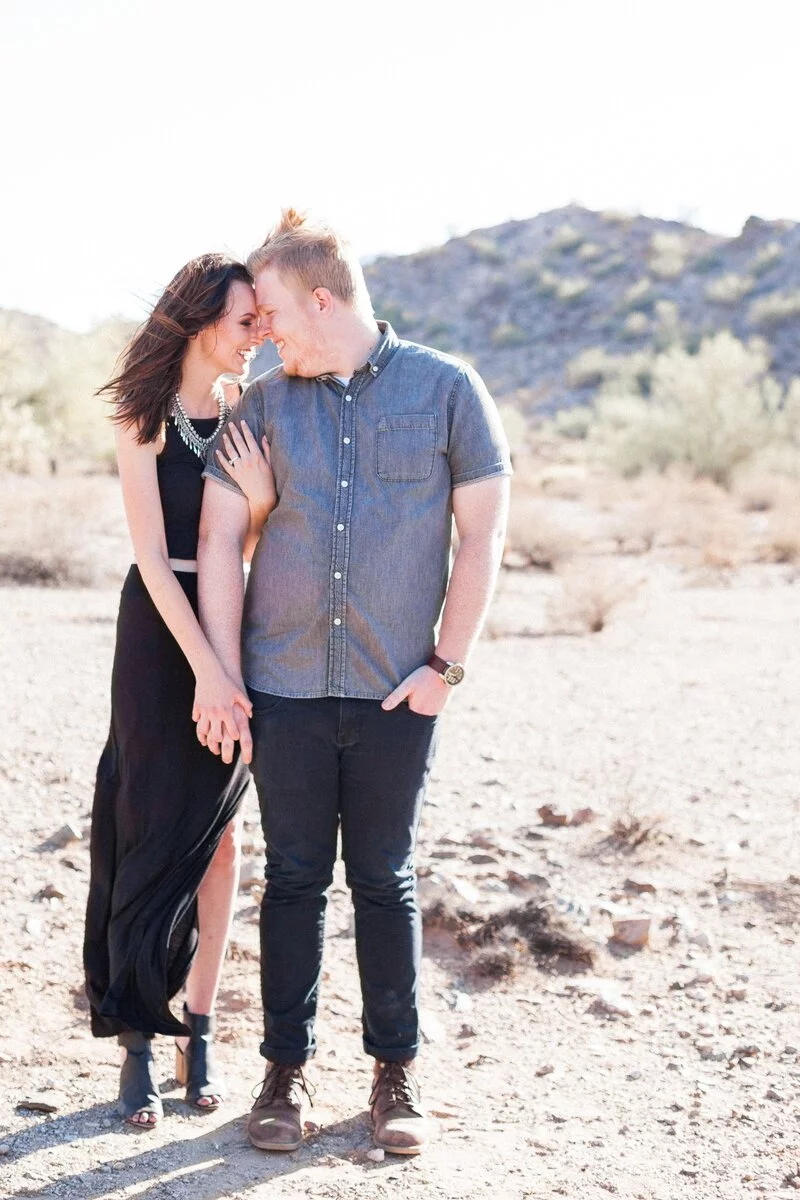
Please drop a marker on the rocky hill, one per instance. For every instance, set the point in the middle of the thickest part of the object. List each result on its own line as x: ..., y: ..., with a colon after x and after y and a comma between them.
x: 525, y: 301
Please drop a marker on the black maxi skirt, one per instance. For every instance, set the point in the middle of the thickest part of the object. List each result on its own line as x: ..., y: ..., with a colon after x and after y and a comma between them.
x: 161, y: 804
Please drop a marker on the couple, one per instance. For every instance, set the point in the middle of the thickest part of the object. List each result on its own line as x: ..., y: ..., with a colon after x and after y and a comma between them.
x: 329, y: 670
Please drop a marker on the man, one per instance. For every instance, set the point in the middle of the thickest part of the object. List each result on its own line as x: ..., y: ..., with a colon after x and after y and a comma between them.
x: 375, y: 445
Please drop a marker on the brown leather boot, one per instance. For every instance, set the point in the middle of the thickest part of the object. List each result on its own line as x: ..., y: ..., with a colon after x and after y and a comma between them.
x: 399, y: 1121
x: 276, y: 1119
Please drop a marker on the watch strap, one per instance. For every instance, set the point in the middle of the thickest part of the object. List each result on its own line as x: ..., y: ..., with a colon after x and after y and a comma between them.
x: 439, y: 664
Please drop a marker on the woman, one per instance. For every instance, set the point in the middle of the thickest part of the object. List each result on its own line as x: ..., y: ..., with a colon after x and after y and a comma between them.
x: 164, y: 847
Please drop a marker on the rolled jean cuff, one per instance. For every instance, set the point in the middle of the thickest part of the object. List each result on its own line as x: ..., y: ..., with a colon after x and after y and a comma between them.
x: 286, y: 1058
x: 394, y: 1055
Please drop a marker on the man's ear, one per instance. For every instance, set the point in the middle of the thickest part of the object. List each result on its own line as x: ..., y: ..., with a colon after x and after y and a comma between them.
x: 324, y: 300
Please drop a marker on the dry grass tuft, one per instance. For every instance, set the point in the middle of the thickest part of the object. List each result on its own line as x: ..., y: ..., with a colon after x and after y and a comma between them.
x: 590, y: 593
x: 61, y: 531
x: 497, y: 946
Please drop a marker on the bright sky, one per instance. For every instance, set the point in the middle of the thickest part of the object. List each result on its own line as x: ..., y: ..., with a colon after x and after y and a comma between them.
x: 138, y: 133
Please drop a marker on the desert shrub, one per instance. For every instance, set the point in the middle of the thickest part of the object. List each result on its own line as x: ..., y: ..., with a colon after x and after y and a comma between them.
x: 589, y: 251
x: 711, y: 411
x: 668, y: 253
x: 766, y: 257
x: 62, y: 531
x: 47, y: 384
x: 608, y: 266
x: 573, y: 423
x: 668, y: 329
x: 485, y: 248
x: 775, y: 308
x: 572, y: 288
x: 729, y: 289
x: 566, y: 238
x: 708, y: 261
x: 594, y: 366
x: 515, y: 426
x: 636, y: 325
x: 639, y: 296
x: 536, y: 534
x: 508, y: 334
x: 401, y: 319
x: 781, y: 541
x: 589, y: 594
x: 548, y: 283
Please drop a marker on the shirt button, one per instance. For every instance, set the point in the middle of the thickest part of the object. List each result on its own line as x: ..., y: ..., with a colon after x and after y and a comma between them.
x: 348, y: 398
x: 346, y: 441
x: 344, y: 483
x: 340, y: 528
x: 374, y: 369
x: 337, y: 574
x: 337, y: 621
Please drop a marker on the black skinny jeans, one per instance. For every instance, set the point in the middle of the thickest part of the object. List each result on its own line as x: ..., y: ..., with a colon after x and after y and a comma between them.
x: 319, y: 764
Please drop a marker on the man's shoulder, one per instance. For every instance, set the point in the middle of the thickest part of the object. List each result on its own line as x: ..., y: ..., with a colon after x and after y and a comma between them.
x: 436, y: 359
x: 264, y: 382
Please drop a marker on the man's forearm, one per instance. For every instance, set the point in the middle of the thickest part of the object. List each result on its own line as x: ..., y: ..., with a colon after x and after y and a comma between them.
x: 221, y: 597
x: 469, y: 593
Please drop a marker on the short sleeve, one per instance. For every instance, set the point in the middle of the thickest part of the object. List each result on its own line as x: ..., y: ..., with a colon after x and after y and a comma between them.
x: 250, y: 409
x: 477, y: 445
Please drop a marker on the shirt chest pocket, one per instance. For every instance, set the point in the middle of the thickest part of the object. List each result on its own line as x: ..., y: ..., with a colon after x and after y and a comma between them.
x: 406, y: 447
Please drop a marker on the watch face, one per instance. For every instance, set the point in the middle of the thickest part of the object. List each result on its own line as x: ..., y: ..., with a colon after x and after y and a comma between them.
x: 454, y: 674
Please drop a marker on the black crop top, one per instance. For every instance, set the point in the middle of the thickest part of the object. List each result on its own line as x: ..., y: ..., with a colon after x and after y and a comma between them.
x: 180, y: 484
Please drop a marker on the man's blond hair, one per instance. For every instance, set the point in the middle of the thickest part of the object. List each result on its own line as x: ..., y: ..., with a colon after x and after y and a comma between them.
x: 315, y: 255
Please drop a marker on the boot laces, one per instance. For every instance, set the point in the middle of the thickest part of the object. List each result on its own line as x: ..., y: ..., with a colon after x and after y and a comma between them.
x: 281, y: 1083
x: 397, y: 1084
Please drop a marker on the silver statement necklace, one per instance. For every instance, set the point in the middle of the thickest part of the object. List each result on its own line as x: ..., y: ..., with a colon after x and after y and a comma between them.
x: 186, y: 429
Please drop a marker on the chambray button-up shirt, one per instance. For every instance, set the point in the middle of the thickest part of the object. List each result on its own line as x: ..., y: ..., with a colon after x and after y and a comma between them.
x: 348, y: 579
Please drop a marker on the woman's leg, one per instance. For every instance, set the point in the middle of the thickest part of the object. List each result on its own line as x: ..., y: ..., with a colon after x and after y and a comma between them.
x: 215, y: 900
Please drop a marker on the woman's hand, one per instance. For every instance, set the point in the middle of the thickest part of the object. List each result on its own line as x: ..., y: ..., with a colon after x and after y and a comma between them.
x: 250, y: 467
x: 221, y: 711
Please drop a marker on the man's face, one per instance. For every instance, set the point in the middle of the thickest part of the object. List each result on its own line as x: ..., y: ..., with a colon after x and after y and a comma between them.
x: 290, y: 317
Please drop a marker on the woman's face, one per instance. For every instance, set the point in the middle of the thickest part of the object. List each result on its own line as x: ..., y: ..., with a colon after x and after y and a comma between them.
x: 231, y: 343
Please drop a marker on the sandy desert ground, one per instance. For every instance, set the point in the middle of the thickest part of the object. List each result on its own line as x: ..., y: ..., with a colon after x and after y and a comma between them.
x: 667, y: 1071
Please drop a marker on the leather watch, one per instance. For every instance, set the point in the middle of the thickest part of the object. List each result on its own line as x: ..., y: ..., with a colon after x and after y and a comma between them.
x: 451, y: 672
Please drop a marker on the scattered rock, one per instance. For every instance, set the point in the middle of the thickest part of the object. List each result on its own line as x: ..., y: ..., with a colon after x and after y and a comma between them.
x: 696, y: 993
x: 49, y: 892
x: 65, y: 836
x: 40, y: 1106
x: 633, y: 932
x: 633, y: 1076
x: 312, y: 1127
x: 466, y: 1031
x: 546, y: 1070
x: 772, y: 1093
x: 528, y: 882
x: 639, y: 887
x: 736, y: 993
x: 481, y: 860
x: 555, y: 818
x: 460, y: 1002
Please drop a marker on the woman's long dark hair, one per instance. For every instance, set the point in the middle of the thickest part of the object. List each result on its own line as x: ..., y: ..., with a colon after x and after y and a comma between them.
x: 143, y: 389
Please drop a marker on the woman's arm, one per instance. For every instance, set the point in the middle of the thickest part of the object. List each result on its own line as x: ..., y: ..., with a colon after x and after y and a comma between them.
x: 139, y: 479
x: 251, y: 469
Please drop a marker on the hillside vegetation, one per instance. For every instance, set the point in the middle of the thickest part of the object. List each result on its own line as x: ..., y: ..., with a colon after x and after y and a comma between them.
x: 652, y: 341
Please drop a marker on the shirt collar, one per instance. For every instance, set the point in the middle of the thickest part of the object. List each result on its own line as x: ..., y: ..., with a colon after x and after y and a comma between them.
x: 385, y: 347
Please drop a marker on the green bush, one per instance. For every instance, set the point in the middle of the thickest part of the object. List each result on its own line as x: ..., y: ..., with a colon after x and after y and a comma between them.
x: 775, y: 308
x: 712, y: 411
x: 508, y: 334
